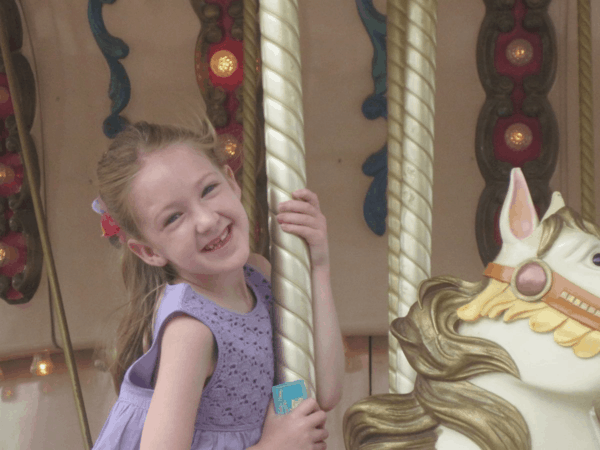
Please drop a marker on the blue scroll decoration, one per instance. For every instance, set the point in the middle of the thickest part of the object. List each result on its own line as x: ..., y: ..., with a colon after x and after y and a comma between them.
x: 113, y: 49
x: 375, y: 106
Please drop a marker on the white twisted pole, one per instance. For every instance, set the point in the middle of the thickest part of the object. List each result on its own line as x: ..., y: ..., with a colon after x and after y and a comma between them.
x: 286, y: 172
x: 411, y: 50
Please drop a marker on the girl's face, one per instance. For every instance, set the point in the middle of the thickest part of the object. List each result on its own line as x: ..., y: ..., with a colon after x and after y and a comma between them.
x: 185, y: 206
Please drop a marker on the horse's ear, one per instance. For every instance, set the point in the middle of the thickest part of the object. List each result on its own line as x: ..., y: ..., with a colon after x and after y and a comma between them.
x: 518, y: 219
x: 556, y: 203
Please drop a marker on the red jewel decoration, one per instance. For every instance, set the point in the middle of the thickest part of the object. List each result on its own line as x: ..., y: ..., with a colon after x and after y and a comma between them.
x: 235, y: 52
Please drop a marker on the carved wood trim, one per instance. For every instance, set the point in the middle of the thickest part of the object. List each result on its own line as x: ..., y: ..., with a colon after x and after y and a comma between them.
x: 113, y: 49
x: 19, y: 279
x: 511, y: 95
x: 220, y: 20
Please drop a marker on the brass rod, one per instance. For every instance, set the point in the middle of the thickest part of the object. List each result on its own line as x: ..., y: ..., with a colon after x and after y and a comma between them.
x: 26, y: 153
x: 586, y: 110
x: 251, y: 41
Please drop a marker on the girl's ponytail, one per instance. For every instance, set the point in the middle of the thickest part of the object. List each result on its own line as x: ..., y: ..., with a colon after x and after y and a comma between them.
x: 144, y: 285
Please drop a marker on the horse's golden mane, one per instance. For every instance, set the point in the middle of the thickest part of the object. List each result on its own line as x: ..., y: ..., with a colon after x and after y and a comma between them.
x: 443, y: 360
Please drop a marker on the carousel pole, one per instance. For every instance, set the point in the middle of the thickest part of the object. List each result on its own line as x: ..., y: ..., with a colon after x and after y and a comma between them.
x: 286, y: 172
x: 250, y: 115
x: 411, y: 50
x: 586, y: 110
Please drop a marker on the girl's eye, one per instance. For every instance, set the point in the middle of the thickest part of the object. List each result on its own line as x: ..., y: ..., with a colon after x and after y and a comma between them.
x: 207, y: 190
x: 211, y: 187
x: 171, y: 219
x: 596, y: 259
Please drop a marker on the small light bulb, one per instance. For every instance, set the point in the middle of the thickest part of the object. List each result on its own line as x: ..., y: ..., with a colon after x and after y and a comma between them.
x: 519, y: 52
x: 42, y: 364
x: 223, y: 63
x: 8, y: 254
x: 518, y: 136
x: 7, y: 174
x: 229, y: 145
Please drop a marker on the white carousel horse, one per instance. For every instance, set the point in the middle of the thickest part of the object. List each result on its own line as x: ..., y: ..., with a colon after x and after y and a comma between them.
x: 558, y: 384
x: 547, y: 272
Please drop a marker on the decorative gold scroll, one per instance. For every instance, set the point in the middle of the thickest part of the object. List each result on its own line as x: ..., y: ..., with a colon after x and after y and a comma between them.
x: 250, y: 115
x: 286, y: 172
x: 28, y: 161
x: 586, y: 110
x: 411, y: 47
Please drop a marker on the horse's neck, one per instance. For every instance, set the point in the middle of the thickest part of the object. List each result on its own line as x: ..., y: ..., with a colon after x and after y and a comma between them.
x: 555, y: 395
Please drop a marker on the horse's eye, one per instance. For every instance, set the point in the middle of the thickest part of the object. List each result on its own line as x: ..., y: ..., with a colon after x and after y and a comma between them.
x: 596, y: 259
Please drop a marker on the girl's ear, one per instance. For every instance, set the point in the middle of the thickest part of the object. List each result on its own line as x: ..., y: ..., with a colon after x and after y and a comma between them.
x: 146, y: 253
x: 230, y: 177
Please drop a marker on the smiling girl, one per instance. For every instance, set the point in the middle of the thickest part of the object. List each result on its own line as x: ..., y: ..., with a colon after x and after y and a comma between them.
x: 195, y: 360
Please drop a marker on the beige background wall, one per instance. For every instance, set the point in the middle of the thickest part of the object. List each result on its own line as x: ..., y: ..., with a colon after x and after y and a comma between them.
x: 73, y: 82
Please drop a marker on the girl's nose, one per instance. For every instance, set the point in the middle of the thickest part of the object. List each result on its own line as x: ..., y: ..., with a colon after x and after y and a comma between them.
x: 205, y: 220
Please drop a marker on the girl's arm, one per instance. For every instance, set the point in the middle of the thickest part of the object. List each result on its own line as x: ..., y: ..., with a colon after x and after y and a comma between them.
x: 185, y: 360
x: 329, y: 348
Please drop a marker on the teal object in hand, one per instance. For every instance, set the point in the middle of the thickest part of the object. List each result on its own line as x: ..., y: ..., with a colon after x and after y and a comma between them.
x: 287, y: 396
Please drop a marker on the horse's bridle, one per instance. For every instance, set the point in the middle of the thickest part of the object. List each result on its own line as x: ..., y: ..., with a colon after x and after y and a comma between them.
x: 534, y: 280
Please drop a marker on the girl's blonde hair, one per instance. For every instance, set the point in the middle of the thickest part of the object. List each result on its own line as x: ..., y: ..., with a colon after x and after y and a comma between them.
x: 116, y: 171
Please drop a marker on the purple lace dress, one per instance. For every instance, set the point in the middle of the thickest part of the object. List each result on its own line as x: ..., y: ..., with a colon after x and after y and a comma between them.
x: 235, y: 400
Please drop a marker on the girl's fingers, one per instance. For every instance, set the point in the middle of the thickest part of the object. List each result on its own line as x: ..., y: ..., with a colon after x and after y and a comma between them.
x: 307, y: 406
x: 311, y: 235
x: 322, y: 435
x: 304, y: 199
x: 320, y: 418
x: 296, y: 219
x: 297, y: 206
x: 307, y: 195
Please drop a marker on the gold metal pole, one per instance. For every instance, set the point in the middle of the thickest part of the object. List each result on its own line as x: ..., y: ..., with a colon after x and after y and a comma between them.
x: 286, y: 172
x: 411, y: 50
x: 586, y: 110
x: 26, y: 153
x: 250, y: 115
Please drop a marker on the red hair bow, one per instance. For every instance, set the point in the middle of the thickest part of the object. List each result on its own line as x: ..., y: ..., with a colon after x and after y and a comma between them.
x: 109, y: 226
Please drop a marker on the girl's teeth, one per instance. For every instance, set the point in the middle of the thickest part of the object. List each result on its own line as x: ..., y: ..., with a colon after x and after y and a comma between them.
x: 224, y: 233
x: 221, y: 238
